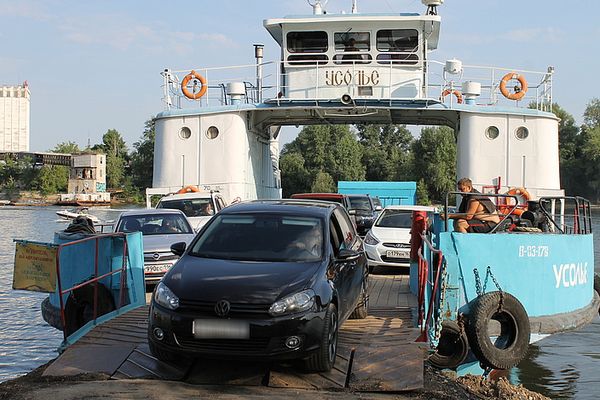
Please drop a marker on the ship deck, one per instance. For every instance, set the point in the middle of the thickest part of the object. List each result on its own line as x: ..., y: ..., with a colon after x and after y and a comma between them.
x: 376, y: 354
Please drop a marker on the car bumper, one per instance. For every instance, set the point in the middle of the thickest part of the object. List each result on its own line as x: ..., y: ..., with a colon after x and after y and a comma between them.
x: 377, y: 256
x: 267, y: 335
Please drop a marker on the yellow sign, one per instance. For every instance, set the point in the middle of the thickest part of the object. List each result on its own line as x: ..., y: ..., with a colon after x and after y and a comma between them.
x: 35, y: 267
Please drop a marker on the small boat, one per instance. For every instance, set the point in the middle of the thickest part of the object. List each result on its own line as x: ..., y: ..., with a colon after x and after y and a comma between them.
x: 77, y: 212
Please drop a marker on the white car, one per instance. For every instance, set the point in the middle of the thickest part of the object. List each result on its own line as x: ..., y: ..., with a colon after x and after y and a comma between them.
x: 198, y: 207
x: 387, y: 244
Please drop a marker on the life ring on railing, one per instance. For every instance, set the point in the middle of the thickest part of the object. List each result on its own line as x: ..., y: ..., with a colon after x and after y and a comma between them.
x: 457, y: 93
x: 519, y: 91
x: 79, y: 308
x: 452, y: 348
x: 188, y: 189
x: 521, y: 207
x: 190, y: 94
x: 511, y: 340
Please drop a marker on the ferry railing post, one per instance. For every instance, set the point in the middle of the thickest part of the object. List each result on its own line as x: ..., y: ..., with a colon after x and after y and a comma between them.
x: 258, y: 54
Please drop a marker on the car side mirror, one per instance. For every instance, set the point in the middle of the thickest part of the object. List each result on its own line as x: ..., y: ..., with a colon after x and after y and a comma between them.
x: 352, y: 212
x: 378, y: 208
x: 348, y: 255
x: 178, y: 248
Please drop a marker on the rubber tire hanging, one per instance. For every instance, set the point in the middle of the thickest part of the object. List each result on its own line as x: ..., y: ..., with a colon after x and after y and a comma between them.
x: 511, y: 343
x: 452, y: 348
x: 79, y: 308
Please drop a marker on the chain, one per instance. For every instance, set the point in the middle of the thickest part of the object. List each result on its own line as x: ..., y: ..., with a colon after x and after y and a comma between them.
x: 477, y: 283
x: 438, y: 320
x: 489, y: 272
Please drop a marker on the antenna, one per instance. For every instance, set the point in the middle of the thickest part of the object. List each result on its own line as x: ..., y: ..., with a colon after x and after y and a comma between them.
x: 432, y: 6
x: 318, y: 7
x: 354, y: 7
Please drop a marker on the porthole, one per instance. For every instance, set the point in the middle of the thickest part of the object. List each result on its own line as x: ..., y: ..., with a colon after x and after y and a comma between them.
x: 522, y: 133
x: 185, y: 133
x: 212, y: 132
x: 492, y: 132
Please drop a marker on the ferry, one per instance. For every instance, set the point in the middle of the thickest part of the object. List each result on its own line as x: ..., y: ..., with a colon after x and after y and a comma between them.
x: 482, y: 298
x: 479, y: 298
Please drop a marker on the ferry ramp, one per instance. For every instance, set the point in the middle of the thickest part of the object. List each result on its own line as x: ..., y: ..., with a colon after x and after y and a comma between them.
x: 375, y: 354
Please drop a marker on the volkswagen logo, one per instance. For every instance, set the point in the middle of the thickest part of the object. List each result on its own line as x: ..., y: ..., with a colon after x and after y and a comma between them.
x: 156, y: 256
x: 222, y: 308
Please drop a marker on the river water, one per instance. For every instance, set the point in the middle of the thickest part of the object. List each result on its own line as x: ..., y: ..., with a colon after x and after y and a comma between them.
x: 564, y: 366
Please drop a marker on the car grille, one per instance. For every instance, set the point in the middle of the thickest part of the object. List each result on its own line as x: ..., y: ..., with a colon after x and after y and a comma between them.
x: 237, y: 309
x: 397, y: 245
x: 149, y: 256
x: 256, y: 345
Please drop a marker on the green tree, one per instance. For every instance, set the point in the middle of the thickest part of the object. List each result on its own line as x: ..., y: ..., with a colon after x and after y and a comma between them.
x: 323, y: 183
x: 435, y: 160
x: 66, y: 148
x: 294, y: 176
x: 321, y: 148
x: 115, y: 149
x: 142, y: 158
x: 591, y: 115
x: 386, y: 151
x: 422, y: 194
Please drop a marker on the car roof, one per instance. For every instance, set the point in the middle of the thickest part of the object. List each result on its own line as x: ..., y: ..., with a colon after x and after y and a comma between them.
x: 191, y: 195
x: 151, y: 211
x: 411, y: 208
x: 283, y: 206
x: 319, y: 195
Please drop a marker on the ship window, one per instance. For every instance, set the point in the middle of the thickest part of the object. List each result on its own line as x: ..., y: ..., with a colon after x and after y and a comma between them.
x: 398, y: 46
x: 308, y: 59
x: 307, y: 42
x: 351, y: 47
x: 212, y: 132
x: 185, y: 133
x: 492, y: 132
x: 521, y: 133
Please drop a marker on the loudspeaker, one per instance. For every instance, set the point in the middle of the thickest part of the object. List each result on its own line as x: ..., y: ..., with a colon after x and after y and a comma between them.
x: 346, y: 99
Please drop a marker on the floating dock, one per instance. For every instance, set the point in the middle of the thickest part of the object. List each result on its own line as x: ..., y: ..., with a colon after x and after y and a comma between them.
x: 376, y: 354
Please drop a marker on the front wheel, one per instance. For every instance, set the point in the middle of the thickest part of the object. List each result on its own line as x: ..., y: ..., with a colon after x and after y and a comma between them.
x: 324, y: 358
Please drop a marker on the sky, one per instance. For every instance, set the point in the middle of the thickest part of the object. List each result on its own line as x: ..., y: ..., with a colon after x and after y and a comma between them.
x: 95, y: 65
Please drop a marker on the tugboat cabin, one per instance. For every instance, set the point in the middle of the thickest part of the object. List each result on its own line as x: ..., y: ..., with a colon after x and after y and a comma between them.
x: 348, y: 56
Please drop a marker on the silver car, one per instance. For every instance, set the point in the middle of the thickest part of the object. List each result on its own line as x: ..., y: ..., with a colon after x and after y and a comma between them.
x: 160, y: 229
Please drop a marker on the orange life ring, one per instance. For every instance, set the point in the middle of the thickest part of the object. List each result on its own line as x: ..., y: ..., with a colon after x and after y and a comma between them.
x: 519, y: 92
x: 188, y: 189
x: 521, y: 207
x: 190, y: 94
x: 458, y: 94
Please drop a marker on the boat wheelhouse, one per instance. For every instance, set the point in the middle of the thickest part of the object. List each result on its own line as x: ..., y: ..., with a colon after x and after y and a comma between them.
x: 220, y: 127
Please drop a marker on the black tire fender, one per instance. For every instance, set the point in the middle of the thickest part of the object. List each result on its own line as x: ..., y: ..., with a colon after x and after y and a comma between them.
x: 511, y: 335
x: 452, y: 348
x: 79, y: 308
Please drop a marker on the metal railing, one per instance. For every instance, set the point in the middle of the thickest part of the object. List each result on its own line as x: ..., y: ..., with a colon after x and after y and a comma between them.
x: 428, y: 77
x: 576, y: 222
x: 428, y: 286
x: 95, y: 278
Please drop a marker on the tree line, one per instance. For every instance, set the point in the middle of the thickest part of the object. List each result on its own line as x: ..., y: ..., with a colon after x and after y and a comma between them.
x: 126, y: 171
x: 322, y: 155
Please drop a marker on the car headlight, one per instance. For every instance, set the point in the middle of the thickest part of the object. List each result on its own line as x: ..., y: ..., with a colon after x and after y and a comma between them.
x: 370, y: 239
x: 295, y: 303
x: 165, y: 297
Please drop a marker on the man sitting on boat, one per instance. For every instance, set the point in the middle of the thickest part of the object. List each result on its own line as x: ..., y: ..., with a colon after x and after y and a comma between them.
x: 476, y: 214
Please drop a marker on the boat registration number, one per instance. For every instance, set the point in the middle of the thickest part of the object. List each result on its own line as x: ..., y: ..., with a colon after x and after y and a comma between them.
x: 156, y: 268
x: 398, y: 253
x: 220, y: 329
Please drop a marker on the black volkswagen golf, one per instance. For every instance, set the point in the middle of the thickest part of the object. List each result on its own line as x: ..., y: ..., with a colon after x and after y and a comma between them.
x: 263, y: 279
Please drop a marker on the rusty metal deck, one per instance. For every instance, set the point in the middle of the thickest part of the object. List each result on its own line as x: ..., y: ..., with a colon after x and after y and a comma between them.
x: 375, y: 354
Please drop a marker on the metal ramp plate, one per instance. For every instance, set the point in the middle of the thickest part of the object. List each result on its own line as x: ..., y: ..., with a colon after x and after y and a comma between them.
x: 142, y: 365
x: 96, y: 359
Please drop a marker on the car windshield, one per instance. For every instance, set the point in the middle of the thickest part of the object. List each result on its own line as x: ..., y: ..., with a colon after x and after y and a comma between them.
x: 262, y: 237
x: 360, y: 203
x: 190, y: 207
x: 395, y: 219
x: 154, y: 224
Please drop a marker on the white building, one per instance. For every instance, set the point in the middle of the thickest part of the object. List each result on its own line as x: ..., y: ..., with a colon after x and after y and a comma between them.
x: 14, y: 118
x: 87, y: 181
